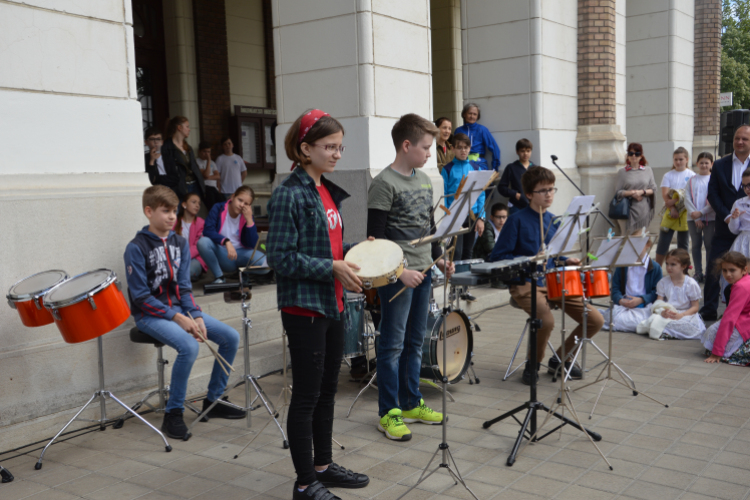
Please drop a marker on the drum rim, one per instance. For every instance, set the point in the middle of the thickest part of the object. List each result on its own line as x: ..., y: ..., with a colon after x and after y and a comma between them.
x: 567, y: 269
x: 112, y: 278
x: 29, y: 296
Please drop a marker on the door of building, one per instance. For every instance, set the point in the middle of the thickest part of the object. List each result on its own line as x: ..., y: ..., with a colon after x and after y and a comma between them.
x: 150, y: 61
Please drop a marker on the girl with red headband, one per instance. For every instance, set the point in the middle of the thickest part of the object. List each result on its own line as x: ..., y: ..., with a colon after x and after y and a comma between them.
x: 305, y: 247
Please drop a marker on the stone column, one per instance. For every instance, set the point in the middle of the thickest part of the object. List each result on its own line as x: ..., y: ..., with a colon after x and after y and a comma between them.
x: 707, y: 73
x: 447, y: 80
x: 599, y: 141
x: 366, y: 63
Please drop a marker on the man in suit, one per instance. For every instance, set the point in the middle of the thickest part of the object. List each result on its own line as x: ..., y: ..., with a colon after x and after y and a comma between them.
x: 724, y: 188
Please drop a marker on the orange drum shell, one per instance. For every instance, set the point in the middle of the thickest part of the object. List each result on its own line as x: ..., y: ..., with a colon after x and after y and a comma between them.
x: 79, y: 322
x: 573, y: 285
x: 597, y: 283
x: 31, y: 316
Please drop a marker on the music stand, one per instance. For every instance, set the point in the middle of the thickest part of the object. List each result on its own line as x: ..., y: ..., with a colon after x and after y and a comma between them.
x: 529, y: 429
x: 449, y: 226
x: 615, y: 253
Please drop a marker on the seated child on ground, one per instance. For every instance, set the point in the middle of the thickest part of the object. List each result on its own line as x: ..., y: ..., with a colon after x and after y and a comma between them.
x: 728, y: 340
x: 190, y: 227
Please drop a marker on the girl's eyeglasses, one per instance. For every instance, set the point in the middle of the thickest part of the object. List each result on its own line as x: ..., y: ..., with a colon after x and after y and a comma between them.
x: 331, y: 148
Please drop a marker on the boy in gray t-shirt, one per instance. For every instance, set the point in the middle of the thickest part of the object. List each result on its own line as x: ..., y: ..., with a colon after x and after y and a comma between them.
x: 399, y: 204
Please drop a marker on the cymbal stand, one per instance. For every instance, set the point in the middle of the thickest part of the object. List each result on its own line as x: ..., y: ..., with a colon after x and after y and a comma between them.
x: 626, y: 380
x: 101, y: 395
x: 248, y: 380
x: 447, y: 461
x: 563, y: 400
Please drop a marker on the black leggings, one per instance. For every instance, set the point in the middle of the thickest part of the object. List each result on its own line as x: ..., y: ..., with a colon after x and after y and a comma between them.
x: 316, y: 346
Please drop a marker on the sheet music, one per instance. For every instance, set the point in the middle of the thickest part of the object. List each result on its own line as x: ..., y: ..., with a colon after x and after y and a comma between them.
x: 607, y: 253
x: 473, y: 188
x: 571, y: 225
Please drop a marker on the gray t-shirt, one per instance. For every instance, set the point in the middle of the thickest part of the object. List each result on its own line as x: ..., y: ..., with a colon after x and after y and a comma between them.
x: 408, y: 201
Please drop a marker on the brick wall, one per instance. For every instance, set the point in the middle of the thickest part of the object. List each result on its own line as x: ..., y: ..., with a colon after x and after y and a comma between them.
x: 707, y: 66
x: 596, y: 62
x: 212, y: 68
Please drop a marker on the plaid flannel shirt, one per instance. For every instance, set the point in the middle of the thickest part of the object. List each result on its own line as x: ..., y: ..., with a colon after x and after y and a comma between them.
x: 298, y: 246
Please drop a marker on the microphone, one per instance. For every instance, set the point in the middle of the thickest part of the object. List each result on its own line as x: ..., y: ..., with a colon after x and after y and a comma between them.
x: 554, y: 158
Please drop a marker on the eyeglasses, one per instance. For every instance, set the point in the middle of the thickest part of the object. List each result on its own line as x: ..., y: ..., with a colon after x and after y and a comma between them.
x: 545, y: 192
x: 499, y: 217
x: 463, y: 148
x: 331, y: 148
x: 745, y: 186
x: 634, y: 153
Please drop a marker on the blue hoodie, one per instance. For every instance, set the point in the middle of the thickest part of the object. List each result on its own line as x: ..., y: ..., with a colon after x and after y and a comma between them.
x: 453, y: 172
x: 158, y: 276
x: 481, y: 140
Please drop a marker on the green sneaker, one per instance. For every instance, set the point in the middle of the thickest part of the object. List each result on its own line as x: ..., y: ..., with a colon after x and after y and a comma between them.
x: 423, y: 414
x: 392, y: 425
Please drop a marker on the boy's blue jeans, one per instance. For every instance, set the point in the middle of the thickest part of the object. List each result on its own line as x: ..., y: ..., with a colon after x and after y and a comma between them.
x: 216, y: 258
x: 168, y: 332
x: 402, y: 330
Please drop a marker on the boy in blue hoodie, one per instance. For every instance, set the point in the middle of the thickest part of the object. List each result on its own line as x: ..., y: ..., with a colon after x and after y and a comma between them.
x: 161, y: 301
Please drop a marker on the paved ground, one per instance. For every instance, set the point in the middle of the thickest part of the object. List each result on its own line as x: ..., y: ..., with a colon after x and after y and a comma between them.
x: 699, y: 447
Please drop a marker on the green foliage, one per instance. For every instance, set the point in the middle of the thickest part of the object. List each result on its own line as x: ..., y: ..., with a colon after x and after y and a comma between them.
x: 735, y: 52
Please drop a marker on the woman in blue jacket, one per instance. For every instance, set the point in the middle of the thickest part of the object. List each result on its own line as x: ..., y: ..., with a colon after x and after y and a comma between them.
x: 480, y: 137
x: 633, y: 291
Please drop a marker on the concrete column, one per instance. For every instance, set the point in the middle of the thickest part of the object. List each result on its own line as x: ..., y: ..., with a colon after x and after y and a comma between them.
x: 447, y: 78
x: 600, y: 141
x: 660, y: 78
x: 707, y: 76
x: 519, y: 65
x: 366, y: 63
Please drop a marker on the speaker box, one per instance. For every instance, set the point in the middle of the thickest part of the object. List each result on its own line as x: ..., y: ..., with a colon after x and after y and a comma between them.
x: 730, y: 122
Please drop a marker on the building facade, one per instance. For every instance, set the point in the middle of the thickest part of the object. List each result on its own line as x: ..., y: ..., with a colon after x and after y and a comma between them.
x: 82, y: 79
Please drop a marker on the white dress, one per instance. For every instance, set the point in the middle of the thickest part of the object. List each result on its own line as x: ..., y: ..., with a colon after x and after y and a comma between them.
x: 741, y: 227
x: 709, y: 336
x: 688, y: 327
x: 626, y: 319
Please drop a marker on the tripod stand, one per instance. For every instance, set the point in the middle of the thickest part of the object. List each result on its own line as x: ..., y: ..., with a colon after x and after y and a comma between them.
x: 248, y: 379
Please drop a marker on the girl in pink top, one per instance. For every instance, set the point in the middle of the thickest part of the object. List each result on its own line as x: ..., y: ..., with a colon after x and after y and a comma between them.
x: 728, y: 340
x: 190, y: 227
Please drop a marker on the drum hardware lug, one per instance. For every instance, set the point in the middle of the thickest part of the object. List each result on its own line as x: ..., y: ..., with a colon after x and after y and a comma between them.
x: 119, y: 285
x: 56, y: 314
x: 11, y: 304
x: 91, y: 301
x: 392, y: 279
x: 37, y: 303
x: 576, y: 340
x: 367, y: 285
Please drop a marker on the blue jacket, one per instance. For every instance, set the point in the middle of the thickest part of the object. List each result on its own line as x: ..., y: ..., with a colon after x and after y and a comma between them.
x: 158, y: 274
x: 481, y: 141
x: 620, y: 280
x: 453, y: 173
x: 215, y: 221
x: 722, y: 195
x: 520, y: 237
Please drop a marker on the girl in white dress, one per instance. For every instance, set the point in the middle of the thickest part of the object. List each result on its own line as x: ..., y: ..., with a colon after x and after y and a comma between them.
x: 739, y: 221
x: 684, y: 294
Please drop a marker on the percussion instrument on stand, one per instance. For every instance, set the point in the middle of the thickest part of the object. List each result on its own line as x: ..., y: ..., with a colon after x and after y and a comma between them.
x: 83, y: 307
x: 237, y: 292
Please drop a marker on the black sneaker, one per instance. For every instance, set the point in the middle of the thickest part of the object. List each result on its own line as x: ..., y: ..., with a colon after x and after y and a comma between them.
x: 468, y: 297
x: 314, y: 491
x: 339, y: 477
x: 223, y: 411
x: 529, y: 372
x: 174, y: 425
x: 700, y: 278
x: 553, y: 367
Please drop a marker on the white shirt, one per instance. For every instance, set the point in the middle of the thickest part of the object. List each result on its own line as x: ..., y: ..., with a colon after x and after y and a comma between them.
x: 230, y: 168
x: 160, y: 166
x: 737, y: 168
x: 676, y: 180
x: 636, y: 283
x: 741, y: 223
x: 679, y: 297
x: 231, y: 229
x: 202, y: 165
x: 186, y: 230
x: 696, y: 201
x: 497, y: 233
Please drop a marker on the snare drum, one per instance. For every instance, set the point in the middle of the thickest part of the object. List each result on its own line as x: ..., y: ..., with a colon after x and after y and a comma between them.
x: 355, y: 343
x: 27, y: 296
x: 88, y: 305
x: 573, y: 286
x: 381, y: 262
x: 460, y: 346
x: 596, y: 283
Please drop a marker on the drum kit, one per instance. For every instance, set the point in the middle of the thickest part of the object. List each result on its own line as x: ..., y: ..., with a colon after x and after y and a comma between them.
x: 83, y: 308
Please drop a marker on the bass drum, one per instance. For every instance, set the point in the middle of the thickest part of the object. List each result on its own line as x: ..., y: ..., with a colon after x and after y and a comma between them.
x: 460, y: 347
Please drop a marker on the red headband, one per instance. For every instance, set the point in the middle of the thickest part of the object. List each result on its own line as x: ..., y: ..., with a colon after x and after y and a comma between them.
x: 307, y: 122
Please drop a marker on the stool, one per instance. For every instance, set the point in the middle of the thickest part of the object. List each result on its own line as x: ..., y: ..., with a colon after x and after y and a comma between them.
x: 508, y: 372
x: 162, y: 391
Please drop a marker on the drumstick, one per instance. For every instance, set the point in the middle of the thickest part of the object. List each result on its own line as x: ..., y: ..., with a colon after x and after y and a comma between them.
x: 425, y: 270
x: 219, y: 358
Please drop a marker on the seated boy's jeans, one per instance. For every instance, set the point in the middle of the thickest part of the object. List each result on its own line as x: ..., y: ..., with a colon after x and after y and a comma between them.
x: 170, y: 333
x: 216, y: 258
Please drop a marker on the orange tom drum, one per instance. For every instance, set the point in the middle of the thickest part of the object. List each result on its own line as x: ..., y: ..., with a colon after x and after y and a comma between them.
x: 88, y: 305
x: 596, y: 283
x: 573, y: 286
x: 27, y: 296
